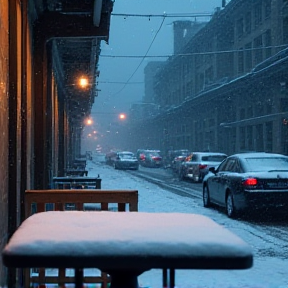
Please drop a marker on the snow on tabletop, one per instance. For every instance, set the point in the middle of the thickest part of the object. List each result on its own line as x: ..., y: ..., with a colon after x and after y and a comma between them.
x: 133, y: 233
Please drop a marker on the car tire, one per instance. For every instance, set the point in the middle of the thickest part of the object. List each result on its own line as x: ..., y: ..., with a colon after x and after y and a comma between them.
x: 201, y: 177
x: 181, y: 175
x: 230, y: 207
x: 206, y: 197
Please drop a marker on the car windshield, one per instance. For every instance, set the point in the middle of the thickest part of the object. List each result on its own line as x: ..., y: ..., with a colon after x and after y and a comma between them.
x: 213, y: 158
x: 126, y: 155
x: 266, y: 164
x: 154, y: 154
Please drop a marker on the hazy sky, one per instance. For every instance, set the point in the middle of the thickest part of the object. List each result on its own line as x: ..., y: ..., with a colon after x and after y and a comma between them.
x: 137, y: 36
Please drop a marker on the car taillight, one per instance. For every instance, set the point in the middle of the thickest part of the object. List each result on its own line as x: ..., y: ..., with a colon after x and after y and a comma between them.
x: 156, y: 158
x: 250, y: 182
x: 201, y: 166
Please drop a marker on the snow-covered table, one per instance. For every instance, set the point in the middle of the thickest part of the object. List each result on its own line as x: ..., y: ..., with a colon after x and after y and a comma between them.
x: 124, y: 244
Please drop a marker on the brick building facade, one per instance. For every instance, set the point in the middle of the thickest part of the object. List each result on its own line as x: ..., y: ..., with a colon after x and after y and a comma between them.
x: 227, y: 90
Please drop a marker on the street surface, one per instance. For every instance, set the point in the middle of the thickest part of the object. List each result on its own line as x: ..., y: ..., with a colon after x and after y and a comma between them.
x: 161, y: 191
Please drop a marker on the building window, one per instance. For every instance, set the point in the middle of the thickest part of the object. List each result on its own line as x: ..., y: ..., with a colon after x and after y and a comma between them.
x: 268, y: 43
x: 248, y: 56
x: 211, y: 123
x: 242, y: 138
x: 257, y: 15
x: 241, y: 61
x: 250, y: 138
x: 242, y: 113
x: 269, y: 137
x: 209, y: 75
x: 267, y: 8
x: 259, y: 138
x: 239, y: 27
x: 250, y: 112
x: 248, y: 23
x: 269, y: 107
x: 284, y: 104
x: 258, y: 45
x: 285, y: 30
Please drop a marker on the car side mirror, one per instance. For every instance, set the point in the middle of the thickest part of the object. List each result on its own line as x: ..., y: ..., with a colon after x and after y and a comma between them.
x: 212, y: 169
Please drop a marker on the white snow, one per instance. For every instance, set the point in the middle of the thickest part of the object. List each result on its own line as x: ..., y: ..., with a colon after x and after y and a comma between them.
x: 267, y: 272
x: 163, y: 234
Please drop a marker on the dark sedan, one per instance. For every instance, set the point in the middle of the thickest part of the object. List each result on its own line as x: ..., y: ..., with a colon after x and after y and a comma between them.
x: 125, y: 160
x: 248, y: 181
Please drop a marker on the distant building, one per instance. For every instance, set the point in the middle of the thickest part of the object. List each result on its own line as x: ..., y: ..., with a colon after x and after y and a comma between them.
x: 225, y: 88
x: 183, y: 32
x: 140, y: 111
x: 151, y: 69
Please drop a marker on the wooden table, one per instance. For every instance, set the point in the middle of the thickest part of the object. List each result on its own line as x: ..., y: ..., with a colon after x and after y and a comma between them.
x: 124, y: 244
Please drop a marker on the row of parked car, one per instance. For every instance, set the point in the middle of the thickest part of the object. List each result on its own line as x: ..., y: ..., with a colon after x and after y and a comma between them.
x: 149, y: 158
x: 240, y: 182
x: 186, y: 164
x: 129, y: 160
x: 192, y: 165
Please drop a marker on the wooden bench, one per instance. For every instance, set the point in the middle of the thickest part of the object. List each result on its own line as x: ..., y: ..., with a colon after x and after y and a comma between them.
x: 76, y: 172
x: 56, y: 199
x: 76, y: 182
x: 79, y: 163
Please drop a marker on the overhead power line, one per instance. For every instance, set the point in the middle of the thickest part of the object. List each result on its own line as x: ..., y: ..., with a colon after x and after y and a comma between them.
x: 142, y: 58
x: 115, y: 82
x: 164, y: 15
x: 193, y: 53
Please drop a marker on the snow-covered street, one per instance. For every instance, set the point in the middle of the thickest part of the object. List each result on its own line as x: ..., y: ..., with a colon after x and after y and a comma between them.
x: 268, y: 271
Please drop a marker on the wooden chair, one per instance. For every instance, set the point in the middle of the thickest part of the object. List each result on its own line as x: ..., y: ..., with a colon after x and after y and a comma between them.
x: 57, y: 199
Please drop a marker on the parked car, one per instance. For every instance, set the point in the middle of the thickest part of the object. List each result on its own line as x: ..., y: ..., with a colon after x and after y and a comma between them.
x: 150, y: 158
x: 177, y: 157
x: 197, y: 164
x: 125, y: 160
x: 110, y: 156
x: 139, y: 152
x: 248, y: 181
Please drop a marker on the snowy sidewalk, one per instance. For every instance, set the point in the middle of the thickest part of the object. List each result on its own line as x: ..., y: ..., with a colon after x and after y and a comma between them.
x: 155, y: 199
x: 151, y: 197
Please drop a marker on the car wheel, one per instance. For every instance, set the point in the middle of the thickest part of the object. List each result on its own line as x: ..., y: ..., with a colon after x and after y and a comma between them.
x: 206, y: 197
x: 201, y: 177
x: 181, y: 175
x: 230, y: 208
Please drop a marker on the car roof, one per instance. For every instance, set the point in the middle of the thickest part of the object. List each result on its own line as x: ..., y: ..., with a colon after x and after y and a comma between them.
x: 257, y: 154
x: 209, y: 153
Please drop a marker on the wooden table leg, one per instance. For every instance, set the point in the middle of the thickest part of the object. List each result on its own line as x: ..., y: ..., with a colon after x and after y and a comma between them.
x: 172, y: 278
x: 79, y: 273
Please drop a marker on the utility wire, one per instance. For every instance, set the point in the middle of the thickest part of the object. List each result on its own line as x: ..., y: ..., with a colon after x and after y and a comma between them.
x: 118, y: 82
x: 194, y: 53
x: 142, y: 58
x: 164, y: 15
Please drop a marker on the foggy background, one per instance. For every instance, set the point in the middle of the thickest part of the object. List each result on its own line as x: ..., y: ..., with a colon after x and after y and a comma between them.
x: 121, y: 80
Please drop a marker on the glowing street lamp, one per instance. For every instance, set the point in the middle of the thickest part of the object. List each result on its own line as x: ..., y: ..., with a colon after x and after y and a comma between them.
x: 89, y: 121
x: 83, y: 82
x: 122, y: 116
